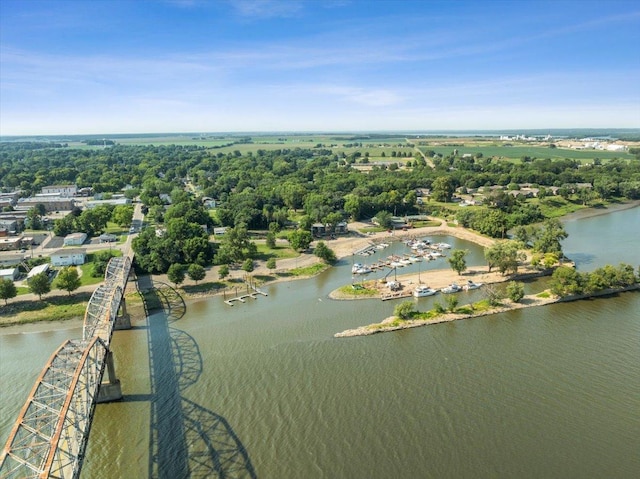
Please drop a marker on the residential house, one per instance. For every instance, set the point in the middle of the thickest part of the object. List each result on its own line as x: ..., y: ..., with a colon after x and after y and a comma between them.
x: 75, y: 239
x: 69, y: 257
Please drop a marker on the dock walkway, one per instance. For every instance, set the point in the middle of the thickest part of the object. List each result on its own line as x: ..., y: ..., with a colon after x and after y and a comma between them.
x: 242, y: 298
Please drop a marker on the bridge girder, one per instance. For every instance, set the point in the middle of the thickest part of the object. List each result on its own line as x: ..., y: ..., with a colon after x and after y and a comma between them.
x: 51, y: 433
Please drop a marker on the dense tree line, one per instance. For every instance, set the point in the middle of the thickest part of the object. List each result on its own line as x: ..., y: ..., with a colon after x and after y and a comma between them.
x: 256, y: 189
x: 93, y: 221
x: 566, y: 281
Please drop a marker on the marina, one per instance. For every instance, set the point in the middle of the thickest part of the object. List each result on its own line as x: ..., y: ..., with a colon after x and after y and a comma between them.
x: 565, y: 372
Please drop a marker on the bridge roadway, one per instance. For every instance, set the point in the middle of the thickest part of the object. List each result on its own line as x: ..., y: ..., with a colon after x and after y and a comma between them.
x: 51, y: 433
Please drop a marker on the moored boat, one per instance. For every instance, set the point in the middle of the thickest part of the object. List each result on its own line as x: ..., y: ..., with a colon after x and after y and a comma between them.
x: 423, y: 290
x: 364, y: 270
x: 471, y: 285
x: 452, y: 288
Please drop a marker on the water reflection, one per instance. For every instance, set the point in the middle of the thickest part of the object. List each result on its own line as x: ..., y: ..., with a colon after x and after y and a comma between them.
x: 186, y: 439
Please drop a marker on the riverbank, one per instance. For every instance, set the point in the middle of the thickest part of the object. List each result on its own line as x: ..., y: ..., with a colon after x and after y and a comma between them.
x: 343, y: 247
x: 593, y: 212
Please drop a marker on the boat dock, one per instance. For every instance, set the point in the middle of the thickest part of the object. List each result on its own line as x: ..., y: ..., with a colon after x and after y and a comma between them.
x: 396, y: 295
x: 242, y: 298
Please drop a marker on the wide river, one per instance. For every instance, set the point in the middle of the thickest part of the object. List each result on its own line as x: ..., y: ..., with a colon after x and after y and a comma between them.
x: 262, y: 389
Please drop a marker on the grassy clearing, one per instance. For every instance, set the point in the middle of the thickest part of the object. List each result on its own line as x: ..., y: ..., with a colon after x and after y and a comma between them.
x: 423, y: 224
x: 308, y: 270
x: 556, y: 206
x: 279, y: 252
x: 86, y: 279
x: 201, y: 288
x: 357, y: 291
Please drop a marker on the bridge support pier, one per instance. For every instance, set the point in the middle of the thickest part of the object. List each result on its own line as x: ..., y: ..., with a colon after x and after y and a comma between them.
x: 123, y: 320
x: 110, y: 391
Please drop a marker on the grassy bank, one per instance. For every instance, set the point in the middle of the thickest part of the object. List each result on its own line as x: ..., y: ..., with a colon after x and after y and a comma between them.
x: 55, y: 308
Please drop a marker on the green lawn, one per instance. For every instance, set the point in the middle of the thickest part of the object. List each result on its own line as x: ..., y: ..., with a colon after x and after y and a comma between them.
x: 49, y: 309
x: 556, y: 206
x: 279, y: 252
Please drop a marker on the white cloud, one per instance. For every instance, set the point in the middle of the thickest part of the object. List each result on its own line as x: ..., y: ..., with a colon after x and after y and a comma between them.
x: 266, y: 8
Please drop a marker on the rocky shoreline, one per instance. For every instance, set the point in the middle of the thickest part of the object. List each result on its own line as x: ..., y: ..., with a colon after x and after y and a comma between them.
x: 527, y: 302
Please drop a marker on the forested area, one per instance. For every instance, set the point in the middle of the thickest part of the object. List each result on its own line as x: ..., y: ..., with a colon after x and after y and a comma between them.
x: 304, y: 185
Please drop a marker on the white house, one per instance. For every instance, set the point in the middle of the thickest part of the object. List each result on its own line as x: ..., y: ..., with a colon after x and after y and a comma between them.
x: 75, y: 239
x: 62, y: 190
x: 69, y: 256
x: 113, y: 201
x: 9, y: 273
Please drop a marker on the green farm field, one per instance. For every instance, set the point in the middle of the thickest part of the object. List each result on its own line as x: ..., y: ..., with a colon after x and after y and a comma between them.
x: 517, y: 152
x: 374, y: 145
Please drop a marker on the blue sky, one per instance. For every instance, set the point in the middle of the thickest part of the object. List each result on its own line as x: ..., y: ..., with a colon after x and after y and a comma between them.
x: 78, y: 67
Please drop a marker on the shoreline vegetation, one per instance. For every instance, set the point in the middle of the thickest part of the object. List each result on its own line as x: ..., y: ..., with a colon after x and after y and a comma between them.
x: 393, y: 323
x: 307, y: 265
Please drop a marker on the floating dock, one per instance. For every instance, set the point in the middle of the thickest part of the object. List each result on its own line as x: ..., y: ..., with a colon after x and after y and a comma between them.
x: 242, y: 298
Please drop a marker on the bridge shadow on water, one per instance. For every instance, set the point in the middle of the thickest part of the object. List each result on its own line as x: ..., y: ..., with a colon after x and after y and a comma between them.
x: 186, y: 439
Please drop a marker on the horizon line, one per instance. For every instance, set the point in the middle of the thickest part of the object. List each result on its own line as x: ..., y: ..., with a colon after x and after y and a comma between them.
x: 322, y: 132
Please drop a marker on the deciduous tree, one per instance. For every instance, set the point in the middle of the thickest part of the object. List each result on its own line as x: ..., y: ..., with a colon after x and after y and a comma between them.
x: 196, y: 272
x: 404, y: 310
x: 176, y: 274
x: 39, y: 284
x: 515, y: 291
x: 8, y: 289
x: 457, y: 260
x: 325, y: 253
x: 300, y: 239
x: 223, y: 272
x: 68, y: 279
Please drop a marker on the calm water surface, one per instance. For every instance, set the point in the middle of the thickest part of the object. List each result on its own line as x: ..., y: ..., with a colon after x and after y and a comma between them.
x: 263, y: 390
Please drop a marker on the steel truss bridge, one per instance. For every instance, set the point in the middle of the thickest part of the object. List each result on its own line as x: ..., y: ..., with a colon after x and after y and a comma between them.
x: 51, y: 433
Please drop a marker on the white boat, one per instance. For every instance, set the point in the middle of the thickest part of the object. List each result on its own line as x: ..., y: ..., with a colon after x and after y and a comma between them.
x: 364, y: 270
x: 405, y: 261
x: 396, y: 264
x: 471, y: 285
x: 443, y: 246
x: 452, y: 288
x: 422, y: 291
x: 356, y: 267
x: 436, y: 254
x: 415, y: 259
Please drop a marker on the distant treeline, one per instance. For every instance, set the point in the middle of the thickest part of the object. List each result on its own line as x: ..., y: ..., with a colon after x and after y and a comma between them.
x: 102, y: 142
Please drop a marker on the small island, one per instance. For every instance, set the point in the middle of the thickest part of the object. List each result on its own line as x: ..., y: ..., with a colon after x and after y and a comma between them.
x: 567, y: 284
